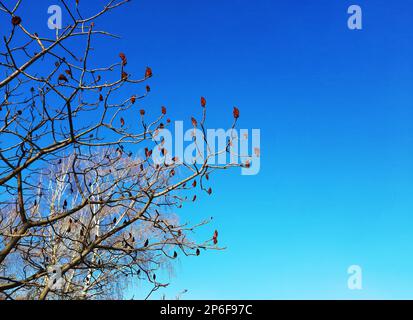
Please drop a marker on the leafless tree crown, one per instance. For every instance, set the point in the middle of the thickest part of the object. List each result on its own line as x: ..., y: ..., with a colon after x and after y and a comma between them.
x: 82, y: 207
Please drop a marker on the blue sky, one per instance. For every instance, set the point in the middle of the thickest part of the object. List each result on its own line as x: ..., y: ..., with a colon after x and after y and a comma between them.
x: 335, y: 110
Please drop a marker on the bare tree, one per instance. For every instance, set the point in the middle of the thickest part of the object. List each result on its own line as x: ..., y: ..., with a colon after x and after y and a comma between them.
x: 83, y: 205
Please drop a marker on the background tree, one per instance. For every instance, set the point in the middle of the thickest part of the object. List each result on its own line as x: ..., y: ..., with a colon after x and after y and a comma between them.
x: 83, y: 206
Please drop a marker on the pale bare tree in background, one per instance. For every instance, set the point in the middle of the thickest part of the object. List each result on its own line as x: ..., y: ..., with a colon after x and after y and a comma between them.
x: 80, y: 213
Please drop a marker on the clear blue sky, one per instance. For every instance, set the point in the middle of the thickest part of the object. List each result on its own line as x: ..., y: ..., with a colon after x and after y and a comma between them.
x: 335, y: 109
